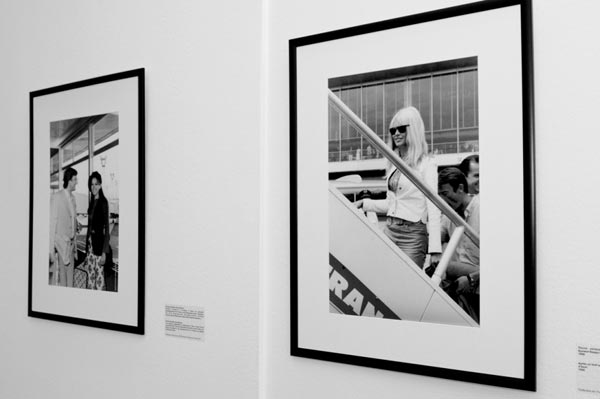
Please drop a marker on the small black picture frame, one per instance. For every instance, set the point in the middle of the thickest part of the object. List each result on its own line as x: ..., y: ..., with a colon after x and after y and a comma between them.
x: 468, y: 71
x: 87, y: 202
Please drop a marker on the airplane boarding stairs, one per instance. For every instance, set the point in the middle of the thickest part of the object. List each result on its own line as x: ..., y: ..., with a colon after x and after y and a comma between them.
x: 370, y: 276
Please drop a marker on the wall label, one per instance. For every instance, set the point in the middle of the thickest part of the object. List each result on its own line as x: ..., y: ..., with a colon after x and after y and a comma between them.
x: 184, y: 321
x: 588, y: 371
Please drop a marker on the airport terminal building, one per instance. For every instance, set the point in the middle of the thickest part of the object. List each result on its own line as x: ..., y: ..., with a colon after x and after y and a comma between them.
x: 444, y: 92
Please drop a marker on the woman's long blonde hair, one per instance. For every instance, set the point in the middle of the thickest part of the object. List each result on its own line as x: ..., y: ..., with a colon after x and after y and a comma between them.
x: 415, y: 138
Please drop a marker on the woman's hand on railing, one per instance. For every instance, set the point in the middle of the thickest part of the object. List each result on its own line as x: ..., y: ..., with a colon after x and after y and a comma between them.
x: 371, y: 215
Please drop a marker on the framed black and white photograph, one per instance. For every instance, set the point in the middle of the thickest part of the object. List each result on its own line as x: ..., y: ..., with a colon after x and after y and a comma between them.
x: 86, y: 252
x: 412, y: 194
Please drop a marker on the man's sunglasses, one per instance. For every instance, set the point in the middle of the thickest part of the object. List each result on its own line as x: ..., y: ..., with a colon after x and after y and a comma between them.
x: 400, y: 129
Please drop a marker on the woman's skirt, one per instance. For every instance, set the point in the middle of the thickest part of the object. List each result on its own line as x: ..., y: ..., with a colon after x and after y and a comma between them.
x: 410, y: 237
x: 95, y: 270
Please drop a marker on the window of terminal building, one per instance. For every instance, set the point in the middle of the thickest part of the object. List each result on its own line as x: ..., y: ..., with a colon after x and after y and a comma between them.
x: 71, y: 143
x: 444, y: 92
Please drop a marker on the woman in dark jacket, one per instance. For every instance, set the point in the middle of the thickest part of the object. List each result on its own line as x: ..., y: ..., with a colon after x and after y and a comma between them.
x: 98, y: 234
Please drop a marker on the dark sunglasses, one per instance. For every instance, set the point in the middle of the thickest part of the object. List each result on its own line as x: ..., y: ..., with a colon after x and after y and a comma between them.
x: 400, y: 129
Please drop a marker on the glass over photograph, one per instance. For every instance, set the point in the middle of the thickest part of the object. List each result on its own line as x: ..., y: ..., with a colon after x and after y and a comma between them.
x: 404, y: 189
x: 84, y: 203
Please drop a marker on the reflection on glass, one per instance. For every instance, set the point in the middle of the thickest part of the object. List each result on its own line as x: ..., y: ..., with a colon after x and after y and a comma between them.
x: 107, y: 164
x: 81, y: 190
x: 421, y: 99
x: 80, y: 144
x: 444, y: 101
x: 468, y: 99
x: 106, y: 127
x: 351, y: 97
x: 68, y: 154
x: 394, y: 100
x: 53, y: 161
x: 372, y: 108
x: 334, y: 135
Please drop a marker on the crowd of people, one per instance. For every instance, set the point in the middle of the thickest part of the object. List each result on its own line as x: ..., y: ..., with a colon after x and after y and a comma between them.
x: 64, y: 229
x: 416, y: 225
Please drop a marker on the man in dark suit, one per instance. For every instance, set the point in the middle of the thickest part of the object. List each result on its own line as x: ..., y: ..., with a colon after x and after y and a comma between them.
x: 63, y: 228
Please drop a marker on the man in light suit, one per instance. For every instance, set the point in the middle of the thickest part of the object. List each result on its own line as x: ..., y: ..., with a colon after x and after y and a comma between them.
x: 63, y: 228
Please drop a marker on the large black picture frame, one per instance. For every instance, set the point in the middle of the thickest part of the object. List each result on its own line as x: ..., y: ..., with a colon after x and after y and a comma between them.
x: 321, y: 58
x: 93, y: 125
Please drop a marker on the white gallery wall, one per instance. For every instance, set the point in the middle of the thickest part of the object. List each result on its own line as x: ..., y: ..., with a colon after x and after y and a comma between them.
x: 217, y: 197
x: 567, y: 92
x: 203, y: 107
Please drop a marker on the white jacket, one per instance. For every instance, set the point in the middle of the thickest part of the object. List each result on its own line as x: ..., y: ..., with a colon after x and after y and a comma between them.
x: 408, y: 203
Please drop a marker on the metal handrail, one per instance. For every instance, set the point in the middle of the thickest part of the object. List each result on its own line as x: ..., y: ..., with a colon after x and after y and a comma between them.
x: 402, y: 166
x: 440, y: 270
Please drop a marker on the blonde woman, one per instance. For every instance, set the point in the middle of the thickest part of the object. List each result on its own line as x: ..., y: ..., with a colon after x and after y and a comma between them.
x: 413, y: 222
